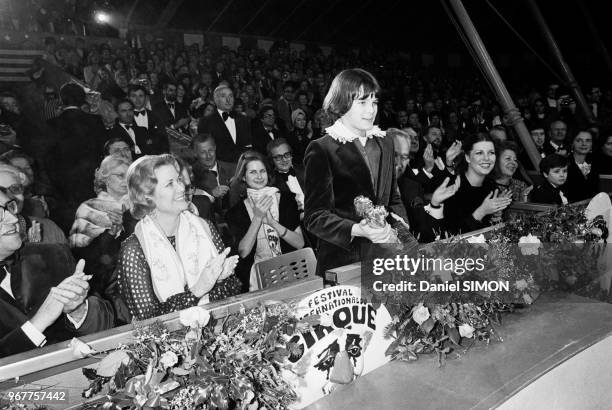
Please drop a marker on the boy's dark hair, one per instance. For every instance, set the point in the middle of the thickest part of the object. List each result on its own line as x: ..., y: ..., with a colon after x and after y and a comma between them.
x: 552, y: 161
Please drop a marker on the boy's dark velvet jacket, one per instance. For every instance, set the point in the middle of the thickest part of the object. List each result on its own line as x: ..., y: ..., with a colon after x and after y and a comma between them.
x: 336, y: 173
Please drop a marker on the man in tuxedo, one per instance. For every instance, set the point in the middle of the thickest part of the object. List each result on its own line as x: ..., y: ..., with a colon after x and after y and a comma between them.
x: 231, y: 132
x: 209, y: 174
x: 286, y: 104
x: 264, y: 129
x: 77, y: 143
x: 556, y: 144
x: 168, y: 112
x: 145, y: 118
x: 286, y: 177
x: 41, y: 300
x: 139, y: 139
x: 425, y: 219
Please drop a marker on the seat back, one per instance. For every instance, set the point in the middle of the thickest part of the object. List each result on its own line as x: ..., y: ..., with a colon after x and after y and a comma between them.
x: 286, y: 268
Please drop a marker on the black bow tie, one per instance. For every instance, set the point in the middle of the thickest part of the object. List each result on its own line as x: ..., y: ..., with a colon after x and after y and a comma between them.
x: 127, y: 126
x: 226, y: 115
x: 212, y: 172
x: 142, y: 112
x: 285, y: 175
x: 171, y: 105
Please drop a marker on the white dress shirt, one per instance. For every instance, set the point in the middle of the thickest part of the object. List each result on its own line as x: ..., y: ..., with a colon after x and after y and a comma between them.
x: 132, y: 135
x: 142, y: 120
x: 230, y: 123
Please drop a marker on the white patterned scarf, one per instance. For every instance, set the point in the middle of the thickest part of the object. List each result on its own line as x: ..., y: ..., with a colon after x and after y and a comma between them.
x: 172, y: 269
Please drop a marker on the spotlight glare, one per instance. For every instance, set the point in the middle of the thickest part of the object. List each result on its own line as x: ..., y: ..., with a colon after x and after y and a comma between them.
x: 102, y: 17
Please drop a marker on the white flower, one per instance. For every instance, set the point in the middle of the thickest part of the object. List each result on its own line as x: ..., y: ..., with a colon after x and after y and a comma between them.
x: 168, y: 359
x: 476, y: 239
x: 529, y: 244
x: 521, y: 284
x: 466, y: 330
x: 195, y: 316
x: 80, y: 349
x: 420, y: 314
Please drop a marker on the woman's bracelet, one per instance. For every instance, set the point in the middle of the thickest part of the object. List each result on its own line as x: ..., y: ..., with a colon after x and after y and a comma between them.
x: 282, y: 235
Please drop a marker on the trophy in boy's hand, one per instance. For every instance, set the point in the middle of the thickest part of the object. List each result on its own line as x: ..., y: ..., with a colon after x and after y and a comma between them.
x: 375, y: 215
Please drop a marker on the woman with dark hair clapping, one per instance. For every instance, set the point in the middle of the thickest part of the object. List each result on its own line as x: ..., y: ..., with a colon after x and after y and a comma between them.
x: 478, y: 199
x: 266, y: 223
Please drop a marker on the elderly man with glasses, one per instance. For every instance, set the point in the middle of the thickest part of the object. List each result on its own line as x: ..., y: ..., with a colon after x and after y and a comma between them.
x: 32, y: 229
x: 43, y: 296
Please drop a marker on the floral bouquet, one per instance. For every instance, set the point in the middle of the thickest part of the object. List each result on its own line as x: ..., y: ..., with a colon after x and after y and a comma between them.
x: 376, y: 216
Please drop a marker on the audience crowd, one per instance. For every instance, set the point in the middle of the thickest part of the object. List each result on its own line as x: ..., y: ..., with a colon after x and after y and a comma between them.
x: 170, y: 171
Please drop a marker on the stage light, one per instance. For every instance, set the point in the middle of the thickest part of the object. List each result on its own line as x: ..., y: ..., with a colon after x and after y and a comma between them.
x: 102, y: 17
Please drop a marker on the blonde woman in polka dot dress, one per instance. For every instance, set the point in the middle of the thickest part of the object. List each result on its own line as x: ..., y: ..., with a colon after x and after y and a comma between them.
x: 174, y: 259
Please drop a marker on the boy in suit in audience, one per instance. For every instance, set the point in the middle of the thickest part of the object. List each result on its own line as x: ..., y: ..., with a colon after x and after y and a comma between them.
x: 554, y: 170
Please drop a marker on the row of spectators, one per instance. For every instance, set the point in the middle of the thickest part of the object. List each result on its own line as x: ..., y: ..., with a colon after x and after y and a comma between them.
x: 224, y: 137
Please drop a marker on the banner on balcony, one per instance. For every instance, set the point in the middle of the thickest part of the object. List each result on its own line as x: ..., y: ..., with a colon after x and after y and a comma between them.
x: 347, y: 344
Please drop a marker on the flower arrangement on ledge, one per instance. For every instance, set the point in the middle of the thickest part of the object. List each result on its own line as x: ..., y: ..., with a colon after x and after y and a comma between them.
x: 235, y: 364
x: 442, y: 323
x: 242, y: 361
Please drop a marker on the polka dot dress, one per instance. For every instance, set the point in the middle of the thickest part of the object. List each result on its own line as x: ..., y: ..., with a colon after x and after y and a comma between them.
x: 136, y: 287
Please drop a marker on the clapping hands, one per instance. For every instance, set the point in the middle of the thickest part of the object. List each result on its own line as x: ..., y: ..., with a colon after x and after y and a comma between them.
x: 217, y: 269
x: 428, y: 158
x: 445, y: 191
x: 452, y: 152
x: 494, y: 202
x: 66, y: 297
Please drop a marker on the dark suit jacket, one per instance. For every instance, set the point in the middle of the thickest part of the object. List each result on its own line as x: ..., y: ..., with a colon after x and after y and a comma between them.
x: 206, y: 180
x: 35, y: 269
x: 227, y: 149
x: 422, y: 225
x: 148, y: 142
x: 547, y: 194
x: 335, y: 174
x: 164, y: 116
x: 157, y: 130
x: 77, y: 145
x: 281, y: 183
x: 261, y: 138
x: 577, y: 186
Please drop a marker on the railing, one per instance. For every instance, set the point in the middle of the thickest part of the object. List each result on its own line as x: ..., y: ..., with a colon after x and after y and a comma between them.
x: 352, y: 273
x: 58, y: 358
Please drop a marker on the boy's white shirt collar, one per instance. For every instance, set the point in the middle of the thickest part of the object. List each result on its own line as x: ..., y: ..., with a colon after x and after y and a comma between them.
x: 342, y: 134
